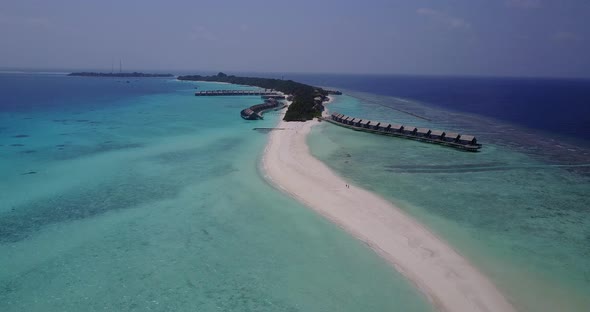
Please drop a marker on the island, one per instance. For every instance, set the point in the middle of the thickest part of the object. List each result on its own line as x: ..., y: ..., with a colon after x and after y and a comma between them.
x: 307, y: 100
x: 120, y: 75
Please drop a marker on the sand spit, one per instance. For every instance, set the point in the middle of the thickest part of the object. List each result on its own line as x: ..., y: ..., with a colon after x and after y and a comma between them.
x: 449, y: 281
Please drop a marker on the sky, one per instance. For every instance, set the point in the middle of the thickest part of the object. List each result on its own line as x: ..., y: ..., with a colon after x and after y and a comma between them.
x: 539, y: 38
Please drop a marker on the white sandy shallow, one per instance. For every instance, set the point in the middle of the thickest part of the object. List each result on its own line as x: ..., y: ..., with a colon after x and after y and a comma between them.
x: 448, y: 280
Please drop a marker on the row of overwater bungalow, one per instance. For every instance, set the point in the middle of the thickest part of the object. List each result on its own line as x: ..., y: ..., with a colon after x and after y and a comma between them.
x: 255, y: 112
x: 273, y: 96
x: 461, y: 141
x: 239, y: 92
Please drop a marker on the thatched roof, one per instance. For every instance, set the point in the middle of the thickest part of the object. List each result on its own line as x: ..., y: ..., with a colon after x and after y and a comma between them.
x: 423, y: 130
x: 466, y: 137
x: 451, y: 135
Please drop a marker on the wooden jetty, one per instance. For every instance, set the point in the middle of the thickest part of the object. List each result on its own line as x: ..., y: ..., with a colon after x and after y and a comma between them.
x: 273, y: 96
x: 256, y: 111
x: 460, y: 141
x: 268, y: 94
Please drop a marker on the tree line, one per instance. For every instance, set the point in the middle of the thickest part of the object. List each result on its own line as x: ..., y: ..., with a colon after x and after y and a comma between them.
x: 304, y: 106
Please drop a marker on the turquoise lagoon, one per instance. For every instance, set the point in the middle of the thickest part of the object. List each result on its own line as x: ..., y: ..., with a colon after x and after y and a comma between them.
x: 138, y: 196
x: 518, y: 209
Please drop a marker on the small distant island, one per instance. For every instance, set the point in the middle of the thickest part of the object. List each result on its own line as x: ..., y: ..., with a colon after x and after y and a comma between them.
x: 307, y: 100
x: 120, y: 75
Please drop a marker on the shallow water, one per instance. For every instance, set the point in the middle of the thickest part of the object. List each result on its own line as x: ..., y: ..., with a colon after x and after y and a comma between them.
x: 138, y: 196
x: 517, y: 209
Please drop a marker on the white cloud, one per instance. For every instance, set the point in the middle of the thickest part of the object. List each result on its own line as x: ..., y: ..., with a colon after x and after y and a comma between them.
x: 524, y: 4
x: 444, y: 18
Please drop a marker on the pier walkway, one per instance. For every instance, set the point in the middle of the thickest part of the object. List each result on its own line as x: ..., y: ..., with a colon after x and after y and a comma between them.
x: 460, y: 141
x: 264, y: 94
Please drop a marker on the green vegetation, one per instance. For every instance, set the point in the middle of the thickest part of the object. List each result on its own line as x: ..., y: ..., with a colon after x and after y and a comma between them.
x: 304, y: 106
x: 121, y: 75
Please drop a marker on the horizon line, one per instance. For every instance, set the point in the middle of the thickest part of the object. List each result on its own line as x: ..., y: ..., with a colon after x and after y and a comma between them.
x: 179, y: 72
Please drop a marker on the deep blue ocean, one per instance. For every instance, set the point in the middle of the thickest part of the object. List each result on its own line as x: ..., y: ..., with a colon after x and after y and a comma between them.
x: 37, y: 92
x: 558, y: 106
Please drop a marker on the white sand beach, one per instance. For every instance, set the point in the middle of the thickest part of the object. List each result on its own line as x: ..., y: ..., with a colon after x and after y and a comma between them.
x: 448, y: 280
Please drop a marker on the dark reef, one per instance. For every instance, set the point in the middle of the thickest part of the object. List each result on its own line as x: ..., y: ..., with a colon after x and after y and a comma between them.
x: 84, y: 202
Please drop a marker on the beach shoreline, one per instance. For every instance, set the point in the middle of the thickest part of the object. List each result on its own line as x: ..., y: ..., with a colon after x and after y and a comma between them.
x: 447, y: 279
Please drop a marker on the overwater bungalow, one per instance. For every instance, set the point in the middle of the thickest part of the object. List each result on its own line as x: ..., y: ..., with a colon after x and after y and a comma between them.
x: 411, y: 130
x: 424, y: 132
x: 451, y: 139
x: 249, y: 114
x: 437, y: 134
x: 384, y: 127
x: 264, y: 94
x: 467, y: 139
x: 273, y: 96
x: 397, y: 128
